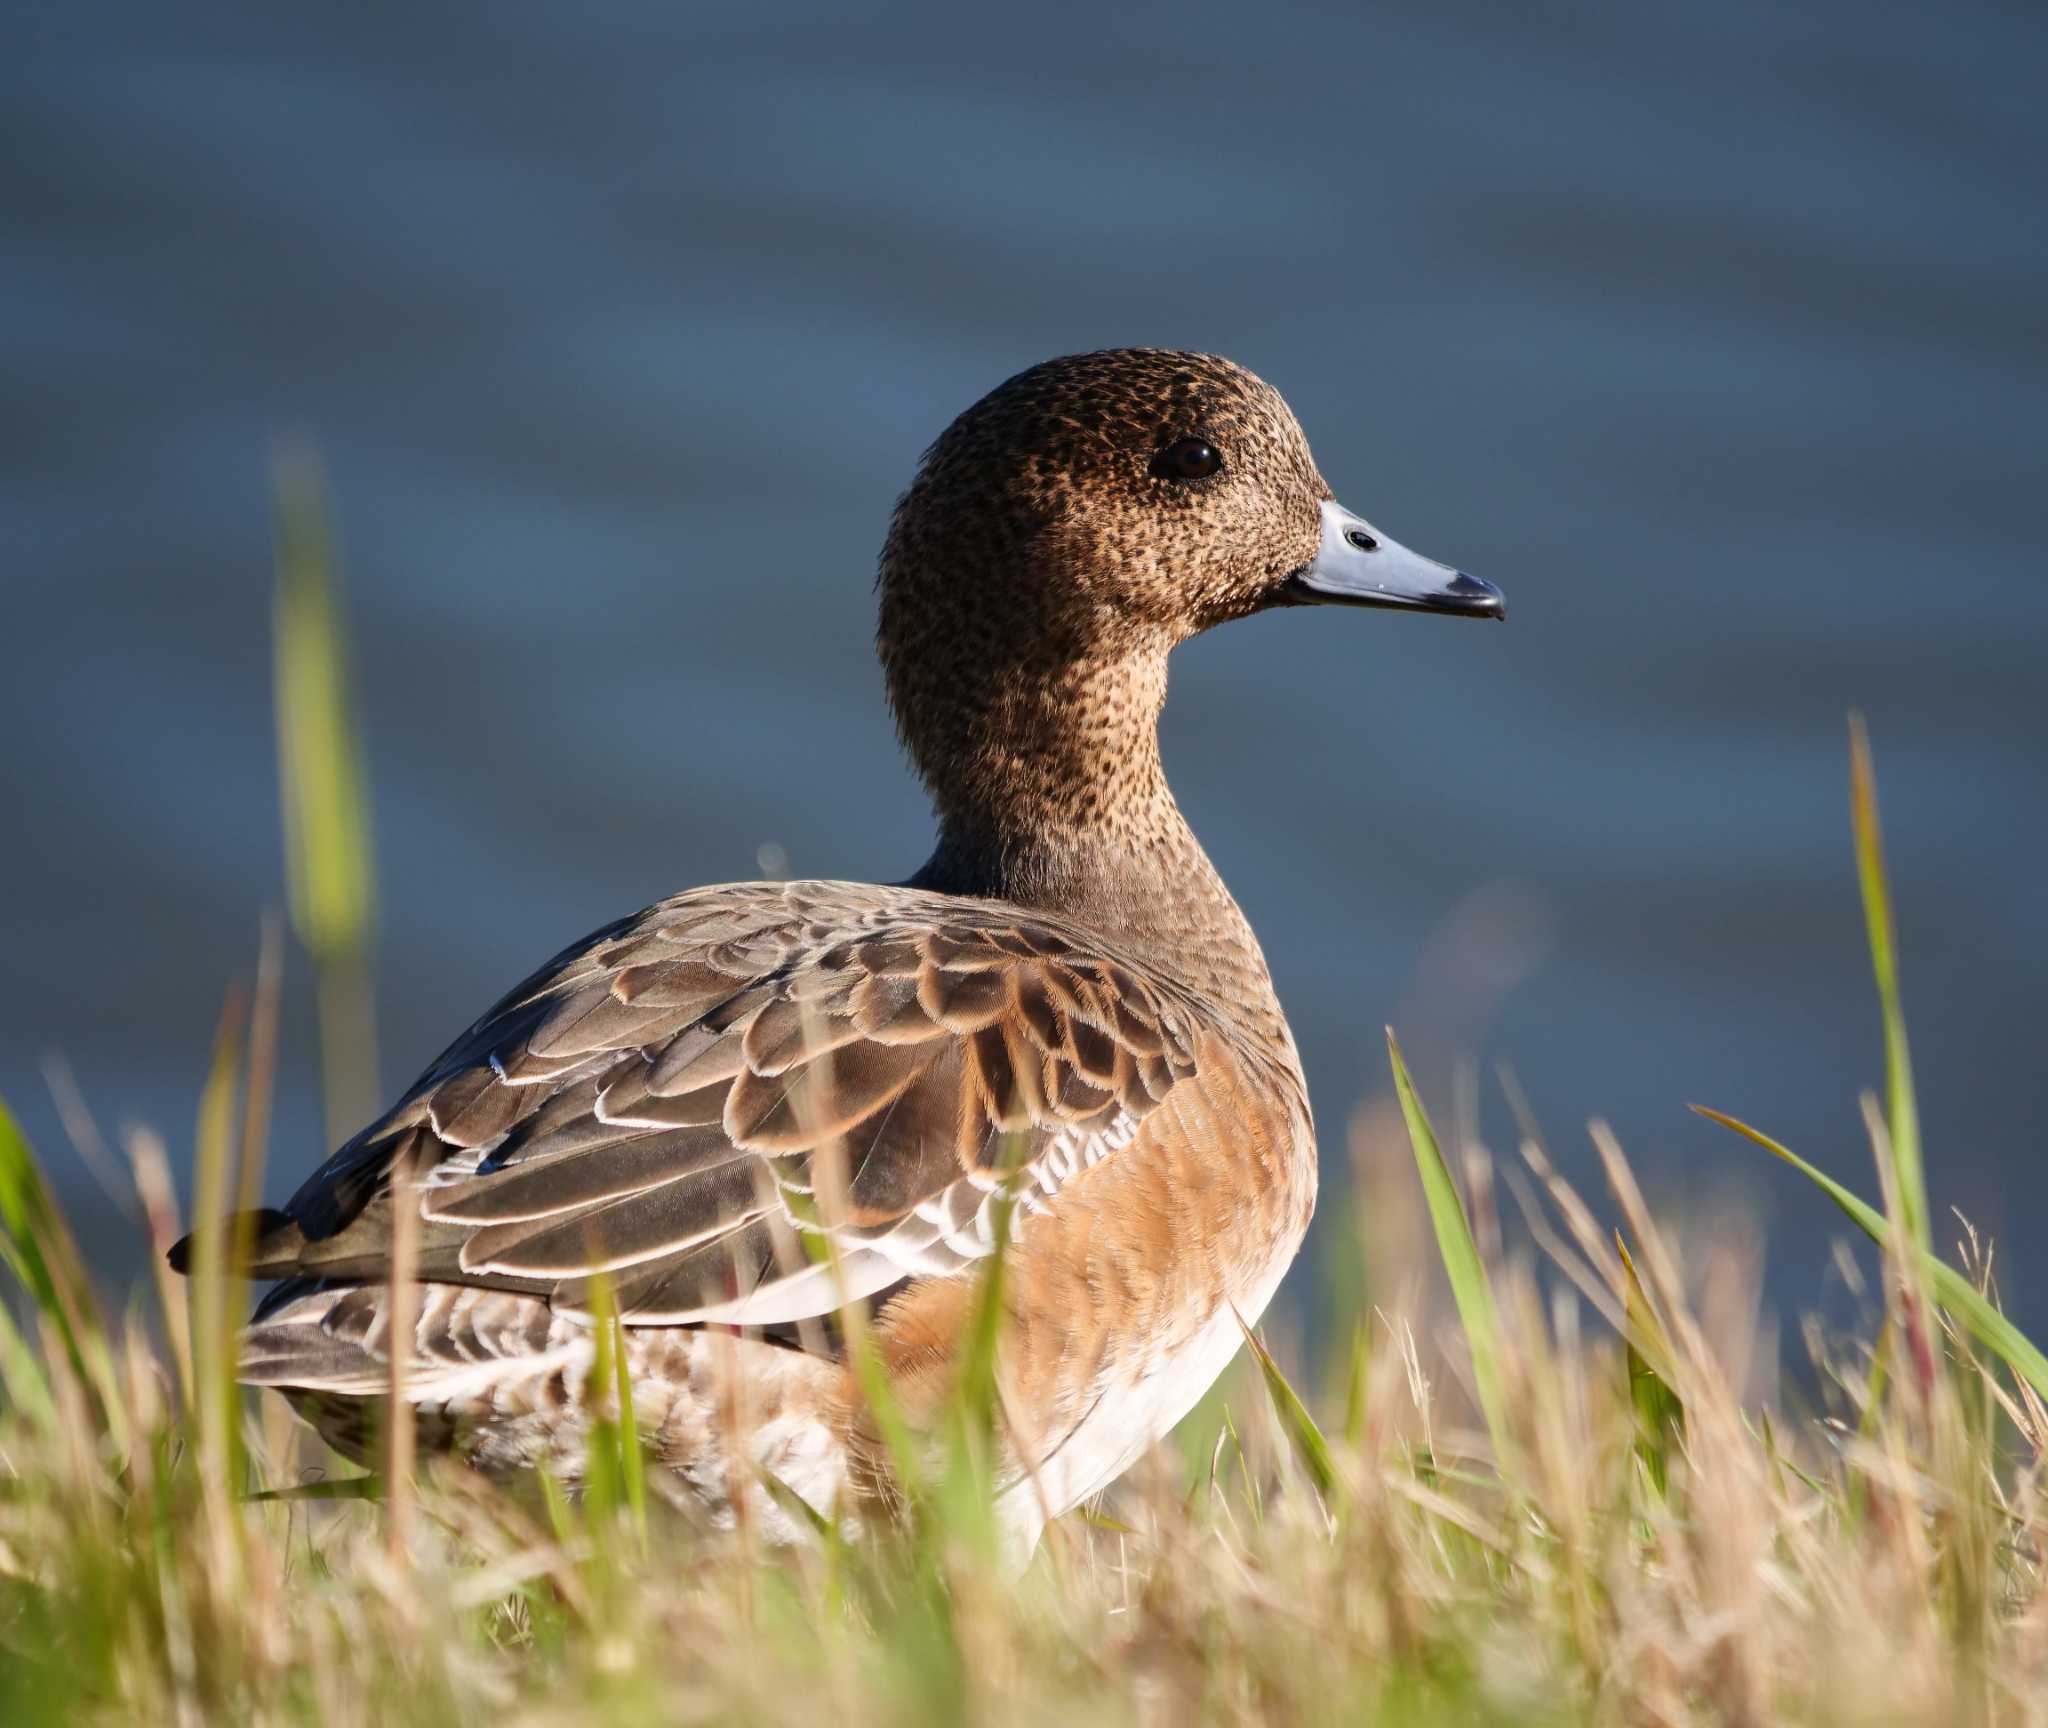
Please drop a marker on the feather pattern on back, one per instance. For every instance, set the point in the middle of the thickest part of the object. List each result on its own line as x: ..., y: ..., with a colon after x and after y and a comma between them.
x: 691, y: 1101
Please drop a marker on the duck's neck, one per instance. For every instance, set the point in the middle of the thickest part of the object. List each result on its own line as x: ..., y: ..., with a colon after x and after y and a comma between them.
x: 1050, y: 794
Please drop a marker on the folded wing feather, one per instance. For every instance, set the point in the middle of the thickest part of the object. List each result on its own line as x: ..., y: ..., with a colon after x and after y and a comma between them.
x: 692, y: 1102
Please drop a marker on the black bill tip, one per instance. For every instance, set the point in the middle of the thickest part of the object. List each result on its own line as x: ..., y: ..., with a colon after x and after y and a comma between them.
x: 1463, y: 593
x: 1459, y: 595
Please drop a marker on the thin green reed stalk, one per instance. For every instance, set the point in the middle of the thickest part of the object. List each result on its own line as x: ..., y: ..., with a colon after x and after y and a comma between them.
x: 328, y: 848
x: 1659, y: 1412
x: 1306, y: 1438
x: 262, y: 1081
x: 1470, y: 1287
x: 214, y: 1299
x: 1901, y: 1172
x: 37, y: 1248
x: 1902, y: 1115
x: 252, y: 1144
x: 974, y: 1415
x: 615, y: 1469
x: 402, y: 1318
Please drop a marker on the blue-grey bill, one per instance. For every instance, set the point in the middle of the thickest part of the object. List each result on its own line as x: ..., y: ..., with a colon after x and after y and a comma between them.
x: 1357, y: 565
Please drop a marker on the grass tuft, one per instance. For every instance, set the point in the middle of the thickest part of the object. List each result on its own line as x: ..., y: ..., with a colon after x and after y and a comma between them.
x: 1954, y: 1292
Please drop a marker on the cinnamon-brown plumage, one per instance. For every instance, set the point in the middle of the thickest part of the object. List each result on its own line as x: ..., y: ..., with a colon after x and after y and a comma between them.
x: 1063, y: 1017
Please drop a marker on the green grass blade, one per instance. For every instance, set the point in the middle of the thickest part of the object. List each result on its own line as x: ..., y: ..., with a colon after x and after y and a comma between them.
x: 1902, y: 1115
x: 213, y: 1290
x: 326, y: 805
x: 555, y: 1502
x: 976, y: 1390
x: 1951, y: 1289
x: 1766, y: 1435
x: 799, y: 1510
x: 871, y: 1375
x: 616, y: 1469
x: 37, y: 1248
x: 329, y: 855
x: 972, y: 1411
x: 1300, y: 1427
x: 24, y: 1387
x: 1357, y: 1384
x: 1249, y: 1482
x: 632, y: 1456
x: 1470, y: 1288
x: 1659, y: 1412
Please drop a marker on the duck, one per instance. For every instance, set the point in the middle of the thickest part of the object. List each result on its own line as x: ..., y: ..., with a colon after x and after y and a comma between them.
x: 732, y: 1117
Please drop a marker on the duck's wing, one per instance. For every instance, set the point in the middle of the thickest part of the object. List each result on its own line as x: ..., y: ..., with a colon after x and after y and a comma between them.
x: 700, y: 1102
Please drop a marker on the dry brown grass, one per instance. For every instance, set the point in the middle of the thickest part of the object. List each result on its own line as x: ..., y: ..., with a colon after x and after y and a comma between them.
x: 1878, y: 1561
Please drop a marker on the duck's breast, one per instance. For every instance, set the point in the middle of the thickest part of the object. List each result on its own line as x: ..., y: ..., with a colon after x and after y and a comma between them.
x: 1125, y: 1298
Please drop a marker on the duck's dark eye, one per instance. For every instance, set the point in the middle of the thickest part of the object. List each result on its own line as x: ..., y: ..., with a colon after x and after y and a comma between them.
x: 1188, y: 459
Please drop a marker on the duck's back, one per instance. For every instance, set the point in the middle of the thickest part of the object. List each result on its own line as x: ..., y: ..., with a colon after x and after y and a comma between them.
x: 755, y: 1102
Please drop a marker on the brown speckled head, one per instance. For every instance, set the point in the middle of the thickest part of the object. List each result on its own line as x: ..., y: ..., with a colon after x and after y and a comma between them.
x: 1052, y: 519
x: 1058, y: 540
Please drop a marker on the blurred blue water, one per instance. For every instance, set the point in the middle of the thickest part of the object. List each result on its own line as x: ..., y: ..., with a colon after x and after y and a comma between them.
x: 1715, y: 334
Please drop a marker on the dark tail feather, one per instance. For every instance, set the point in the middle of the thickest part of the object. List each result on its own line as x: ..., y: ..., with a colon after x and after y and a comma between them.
x: 276, y: 1237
